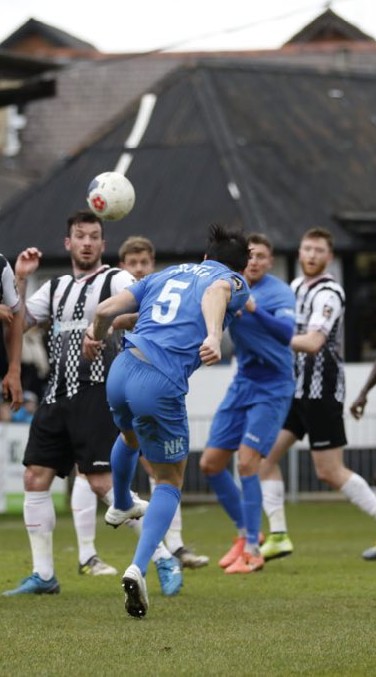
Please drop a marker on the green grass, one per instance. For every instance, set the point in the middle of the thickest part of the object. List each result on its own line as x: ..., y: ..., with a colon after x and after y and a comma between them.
x: 309, y: 614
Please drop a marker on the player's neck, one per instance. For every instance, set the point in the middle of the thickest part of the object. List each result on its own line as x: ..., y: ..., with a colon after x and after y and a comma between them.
x: 79, y: 273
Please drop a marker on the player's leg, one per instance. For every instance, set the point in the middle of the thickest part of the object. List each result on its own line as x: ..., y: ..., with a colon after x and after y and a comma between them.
x: 224, y: 438
x: 278, y: 543
x: 174, y: 537
x: 47, y: 454
x: 249, y: 559
x: 161, y: 424
x: 125, y: 449
x: 262, y: 423
x: 327, y: 439
x: 214, y: 464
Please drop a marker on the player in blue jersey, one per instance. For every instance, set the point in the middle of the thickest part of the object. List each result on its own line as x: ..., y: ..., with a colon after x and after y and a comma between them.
x: 182, y: 313
x: 255, y: 406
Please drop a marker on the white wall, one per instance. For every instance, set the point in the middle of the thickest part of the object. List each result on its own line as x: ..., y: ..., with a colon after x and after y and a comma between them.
x: 208, y: 386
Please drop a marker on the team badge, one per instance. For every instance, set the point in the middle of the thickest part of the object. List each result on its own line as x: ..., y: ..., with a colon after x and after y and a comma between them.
x: 238, y: 282
x: 327, y: 311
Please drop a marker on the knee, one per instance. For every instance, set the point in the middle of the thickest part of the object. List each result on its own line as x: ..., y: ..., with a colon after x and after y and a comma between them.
x: 209, y: 466
x: 36, y: 479
x: 249, y: 465
x: 326, y: 475
x: 100, y: 484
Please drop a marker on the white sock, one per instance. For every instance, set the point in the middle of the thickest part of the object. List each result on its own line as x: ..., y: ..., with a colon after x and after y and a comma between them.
x: 360, y: 494
x: 273, y: 502
x: 40, y: 520
x: 108, y: 498
x: 84, y: 511
x: 173, y: 537
x: 160, y: 551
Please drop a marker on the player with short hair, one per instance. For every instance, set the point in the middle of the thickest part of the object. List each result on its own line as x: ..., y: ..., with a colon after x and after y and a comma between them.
x: 317, y: 407
x: 137, y: 255
x: 73, y: 424
x: 182, y: 311
x: 255, y: 405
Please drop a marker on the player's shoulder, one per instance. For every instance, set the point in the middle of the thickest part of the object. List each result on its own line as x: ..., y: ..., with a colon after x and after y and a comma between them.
x: 120, y: 273
x: 4, y: 264
x: 238, y: 282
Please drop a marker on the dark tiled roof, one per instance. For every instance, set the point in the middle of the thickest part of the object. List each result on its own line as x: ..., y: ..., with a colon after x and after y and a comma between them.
x: 329, y: 26
x: 54, y: 35
x: 297, y: 145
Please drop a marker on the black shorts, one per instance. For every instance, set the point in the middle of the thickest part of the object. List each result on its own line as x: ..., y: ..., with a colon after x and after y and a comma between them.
x: 77, y: 430
x: 322, y: 420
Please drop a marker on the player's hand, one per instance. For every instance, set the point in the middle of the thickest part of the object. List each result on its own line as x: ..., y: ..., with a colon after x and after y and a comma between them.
x: 358, y: 406
x: 6, y: 314
x: 250, y: 305
x: 91, y: 349
x: 12, y: 390
x: 27, y: 262
x: 210, y: 351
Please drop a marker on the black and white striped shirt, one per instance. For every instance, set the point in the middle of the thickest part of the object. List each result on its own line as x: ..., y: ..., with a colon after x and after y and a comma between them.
x: 320, y: 305
x: 69, y: 305
x: 8, y: 289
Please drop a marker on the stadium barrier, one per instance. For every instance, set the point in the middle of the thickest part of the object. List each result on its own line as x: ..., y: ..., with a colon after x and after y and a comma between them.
x: 207, y: 387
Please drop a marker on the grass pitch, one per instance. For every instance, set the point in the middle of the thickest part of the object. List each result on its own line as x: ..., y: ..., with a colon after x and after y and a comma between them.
x: 308, y: 614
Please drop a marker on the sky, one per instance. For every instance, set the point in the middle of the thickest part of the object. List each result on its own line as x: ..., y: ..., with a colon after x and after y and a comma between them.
x: 143, y: 25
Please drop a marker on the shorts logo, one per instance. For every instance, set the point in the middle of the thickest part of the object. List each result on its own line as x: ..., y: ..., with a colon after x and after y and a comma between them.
x: 174, y: 447
x: 254, y: 438
x: 106, y: 463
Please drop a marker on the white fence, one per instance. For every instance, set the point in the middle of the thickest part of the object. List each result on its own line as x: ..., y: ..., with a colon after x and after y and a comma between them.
x: 207, y: 388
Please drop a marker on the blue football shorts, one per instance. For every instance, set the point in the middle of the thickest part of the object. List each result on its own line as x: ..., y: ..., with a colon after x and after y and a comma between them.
x: 248, y: 415
x: 143, y: 399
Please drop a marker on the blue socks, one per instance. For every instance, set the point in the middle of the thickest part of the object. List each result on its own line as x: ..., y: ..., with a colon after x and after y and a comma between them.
x: 252, y: 506
x: 228, y: 495
x: 123, y: 466
x: 158, y: 517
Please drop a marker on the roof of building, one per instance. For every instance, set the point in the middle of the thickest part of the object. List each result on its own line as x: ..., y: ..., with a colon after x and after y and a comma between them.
x: 275, y: 149
x: 329, y: 26
x: 51, y: 34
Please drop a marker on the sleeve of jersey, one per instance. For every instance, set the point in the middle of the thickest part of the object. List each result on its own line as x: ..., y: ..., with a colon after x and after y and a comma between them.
x: 11, y: 296
x: 327, y: 308
x: 38, y: 305
x: 138, y: 289
x: 123, y: 280
x: 281, y: 327
x: 240, y: 293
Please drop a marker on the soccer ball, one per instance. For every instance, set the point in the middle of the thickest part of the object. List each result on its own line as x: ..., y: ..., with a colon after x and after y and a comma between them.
x: 111, y: 196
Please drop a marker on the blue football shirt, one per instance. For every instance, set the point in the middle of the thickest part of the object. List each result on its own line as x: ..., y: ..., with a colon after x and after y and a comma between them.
x: 171, y: 327
x: 260, y: 355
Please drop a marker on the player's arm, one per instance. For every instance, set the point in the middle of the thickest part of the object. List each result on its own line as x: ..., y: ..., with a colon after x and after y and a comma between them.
x: 27, y: 263
x: 214, y: 304
x: 107, y: 311
x: 125, y: 322
x: 13, y: 331
x: 311, y: 342
x: 327, y: 308
x: 359, y: 404
x: 280, y: 326
x: 11, y: 385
